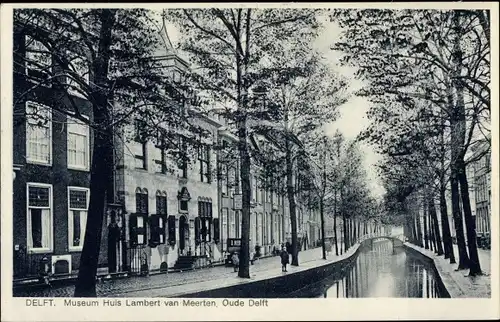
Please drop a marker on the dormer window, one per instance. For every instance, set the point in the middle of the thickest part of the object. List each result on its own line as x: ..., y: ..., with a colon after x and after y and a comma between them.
x: 38, y: 60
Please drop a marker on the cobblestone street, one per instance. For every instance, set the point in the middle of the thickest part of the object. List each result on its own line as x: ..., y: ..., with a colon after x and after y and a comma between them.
x: 128, y: 286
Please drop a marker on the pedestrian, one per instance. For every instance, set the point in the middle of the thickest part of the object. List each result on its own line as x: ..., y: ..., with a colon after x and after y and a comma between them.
x: 284, y: 259
x: 236, y: 261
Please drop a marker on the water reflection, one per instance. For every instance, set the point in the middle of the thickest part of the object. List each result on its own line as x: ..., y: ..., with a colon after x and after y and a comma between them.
x: 379, y: 272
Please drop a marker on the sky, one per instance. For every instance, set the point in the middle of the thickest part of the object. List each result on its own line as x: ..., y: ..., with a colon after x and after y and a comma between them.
x: 352, y: 118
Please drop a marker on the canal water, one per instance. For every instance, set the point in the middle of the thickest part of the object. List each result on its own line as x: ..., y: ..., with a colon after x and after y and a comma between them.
x: 379, y: 272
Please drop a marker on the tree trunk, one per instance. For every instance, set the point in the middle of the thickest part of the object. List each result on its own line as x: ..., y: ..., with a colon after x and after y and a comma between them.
x: 463, y: 258
x: 291, y: 201
x: 359, y: 229
x: 445, y: 223
x: 419, y: 231
x: 426, y: 234
x: 460, y: 147
x: 245, y: 162
x: 432, y: 244
x: 474, y: 264
x: 344, y: 221
x: 335, y: 223
x: 437, y: 234
x: 102, y: 162
x: 353, y: 227
x: 414, y: 229
x: 321, y: 210
x: 346, y: 233
x: 244, y: 265
x: 457, y: 143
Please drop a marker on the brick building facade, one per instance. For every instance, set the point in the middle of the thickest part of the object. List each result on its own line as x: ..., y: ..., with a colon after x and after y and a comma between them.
x: 51, y: 156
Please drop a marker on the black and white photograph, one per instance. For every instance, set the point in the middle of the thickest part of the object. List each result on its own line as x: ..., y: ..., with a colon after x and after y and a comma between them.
x: 205, y: 155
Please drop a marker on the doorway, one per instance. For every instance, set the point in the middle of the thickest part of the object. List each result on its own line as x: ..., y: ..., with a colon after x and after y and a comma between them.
x: 183, y: 234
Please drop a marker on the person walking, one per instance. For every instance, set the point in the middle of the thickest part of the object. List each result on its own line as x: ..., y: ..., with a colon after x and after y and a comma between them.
x: 236, y: 261
x: 285, y: 258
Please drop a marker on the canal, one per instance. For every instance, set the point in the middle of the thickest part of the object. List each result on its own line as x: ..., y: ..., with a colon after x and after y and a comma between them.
x: 379, y: 272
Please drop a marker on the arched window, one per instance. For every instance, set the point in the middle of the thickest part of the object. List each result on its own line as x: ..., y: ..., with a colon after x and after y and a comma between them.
x: 138, y: 227
x: 161, y: 202
x: 141, y: 201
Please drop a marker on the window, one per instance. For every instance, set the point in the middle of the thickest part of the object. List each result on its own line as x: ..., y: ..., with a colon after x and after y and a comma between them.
x: 39, y: 221
x: 224, y: 179
x: 258, y: 238
x: 160, y: 161
x: 224, y: 231
x: 253, y: 187
x: 232, y: 225
x: 204, y: 159
x: 157, y: 229
x: 79, y: 66
x: 38, y: 60
x: 158, y: 221
x: 231, y: 181
x: 140, y: 137
x: 275, y: 233
x: 140, y: 157
x: 138, y: 221
x: 260, y: 190
x: 78, y: 144
x: 182, y: 162
x: 38, y: 133
x: 161, y: 203
x: 184, y: 205
x: 204, y: 209
x: 238, y: 223
x: 78, y: 203
x: 141, y: 201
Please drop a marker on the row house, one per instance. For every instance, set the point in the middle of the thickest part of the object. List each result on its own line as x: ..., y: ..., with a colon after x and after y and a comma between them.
x: 482, y: 189
x: 170, y: 207
x: 478, y: 173
x: 268, y: 211
x: 161, y: 212
x: 170, y: 216
x: 269, y: 214
x: 51, y: 157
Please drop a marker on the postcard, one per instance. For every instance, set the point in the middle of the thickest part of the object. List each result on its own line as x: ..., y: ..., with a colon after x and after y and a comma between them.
x: 249, y: 161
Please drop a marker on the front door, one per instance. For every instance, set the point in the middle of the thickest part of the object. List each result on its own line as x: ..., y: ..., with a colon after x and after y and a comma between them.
x: 183, y: 233
x: 113, y: 242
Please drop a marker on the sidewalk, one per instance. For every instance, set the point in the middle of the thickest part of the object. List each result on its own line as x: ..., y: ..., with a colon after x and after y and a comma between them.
x: 190, y: 281
x: 458, y: 283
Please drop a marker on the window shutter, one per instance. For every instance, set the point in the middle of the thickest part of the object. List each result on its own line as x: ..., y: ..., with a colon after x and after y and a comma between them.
x: 197, y: 230
x: 216, y: 230
x: 154, y: 228
x: 133, y: 229
x: 171, y: 230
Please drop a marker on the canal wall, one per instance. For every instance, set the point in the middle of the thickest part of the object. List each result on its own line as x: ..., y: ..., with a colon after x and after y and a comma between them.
x: 446, y: 284
x: 284, y: 284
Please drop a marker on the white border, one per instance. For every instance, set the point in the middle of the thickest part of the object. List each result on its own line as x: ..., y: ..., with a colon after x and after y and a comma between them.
x: 283, y: 309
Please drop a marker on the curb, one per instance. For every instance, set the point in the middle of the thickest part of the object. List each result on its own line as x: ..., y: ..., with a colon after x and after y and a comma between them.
x: 446, y: 278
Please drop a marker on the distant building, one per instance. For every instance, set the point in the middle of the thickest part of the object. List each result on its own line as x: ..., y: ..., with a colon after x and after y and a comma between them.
x: 482, y: 187
x: 478, y: 173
